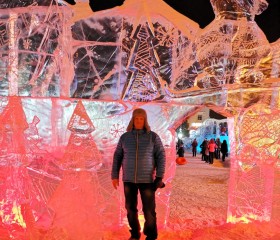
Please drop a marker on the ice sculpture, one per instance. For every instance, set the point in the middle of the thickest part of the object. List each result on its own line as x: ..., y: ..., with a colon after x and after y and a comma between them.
x: 139, y: 48
x: 29, y: 42
x: 77, y: 196
x: 77, y: 183
x: 21, y: 203
x: 70, y: 81
x: 256, y: 162
x: 232, y: 47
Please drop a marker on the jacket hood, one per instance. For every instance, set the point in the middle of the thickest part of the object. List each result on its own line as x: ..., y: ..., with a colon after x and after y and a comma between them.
x: 137, y: 112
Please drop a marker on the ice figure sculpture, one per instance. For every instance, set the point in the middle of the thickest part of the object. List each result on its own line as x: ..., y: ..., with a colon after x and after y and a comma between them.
x: 231, y: 48
x: 21, y: 203
x: 69, y: 85
x: 13, y: 125
x: 76, y: 199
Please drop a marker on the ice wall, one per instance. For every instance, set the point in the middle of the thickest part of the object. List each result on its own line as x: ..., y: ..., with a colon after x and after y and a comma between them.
x: 64, y: 181
x: 69, y: 84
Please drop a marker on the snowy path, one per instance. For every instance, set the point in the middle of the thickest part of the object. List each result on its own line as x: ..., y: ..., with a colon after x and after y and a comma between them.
x: 199, y: 193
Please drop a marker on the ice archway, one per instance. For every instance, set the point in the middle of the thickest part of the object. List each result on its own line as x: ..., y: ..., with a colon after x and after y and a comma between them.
x: 69, y: 83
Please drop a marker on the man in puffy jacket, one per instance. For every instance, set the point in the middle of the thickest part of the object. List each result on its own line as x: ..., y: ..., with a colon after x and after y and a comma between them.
x: 140, y: 154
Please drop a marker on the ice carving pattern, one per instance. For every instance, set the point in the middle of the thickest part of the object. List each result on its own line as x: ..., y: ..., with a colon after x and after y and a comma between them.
x: 232, y: 47
x: 259, y: 137
x: 139, y: 49
x: 56, y: 149
x: 30, y: 48
x: 80, y: 163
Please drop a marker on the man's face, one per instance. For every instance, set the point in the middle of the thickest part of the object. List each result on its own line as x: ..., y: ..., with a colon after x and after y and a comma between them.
x: 139, y: 122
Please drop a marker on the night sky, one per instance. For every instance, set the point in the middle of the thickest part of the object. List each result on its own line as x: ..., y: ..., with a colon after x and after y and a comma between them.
x: 201, y: 12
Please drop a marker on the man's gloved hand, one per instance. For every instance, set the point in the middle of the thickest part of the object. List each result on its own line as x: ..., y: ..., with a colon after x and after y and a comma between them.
x: 115, y: 183
x: 158, y: 183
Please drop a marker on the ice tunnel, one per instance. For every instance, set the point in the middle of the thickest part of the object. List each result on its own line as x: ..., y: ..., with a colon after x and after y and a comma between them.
x: 70, y: 79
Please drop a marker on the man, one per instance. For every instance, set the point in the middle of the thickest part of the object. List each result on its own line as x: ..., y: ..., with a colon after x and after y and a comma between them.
x: 194, y: 145
x: 141, y: 155
x: 204, y: 147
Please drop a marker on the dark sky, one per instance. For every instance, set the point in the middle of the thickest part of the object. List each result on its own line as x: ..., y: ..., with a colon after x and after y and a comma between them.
x: 201, y: 12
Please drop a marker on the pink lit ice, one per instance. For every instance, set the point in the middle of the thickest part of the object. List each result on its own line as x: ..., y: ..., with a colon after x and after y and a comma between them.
x: 70, y: 79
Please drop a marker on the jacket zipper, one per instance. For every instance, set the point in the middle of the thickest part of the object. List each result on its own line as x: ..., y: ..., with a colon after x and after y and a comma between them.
x: 136, y: 159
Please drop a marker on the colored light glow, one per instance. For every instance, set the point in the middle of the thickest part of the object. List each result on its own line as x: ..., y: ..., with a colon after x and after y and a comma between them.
x: 48, y: 62
x: 246, y: 218
x: 141, y: 220
x: 195, y: 124
x: 18, y: 218
x: 246, y: 167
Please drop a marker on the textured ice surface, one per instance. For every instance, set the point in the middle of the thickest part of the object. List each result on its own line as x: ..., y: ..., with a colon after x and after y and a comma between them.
x: 70, y: 79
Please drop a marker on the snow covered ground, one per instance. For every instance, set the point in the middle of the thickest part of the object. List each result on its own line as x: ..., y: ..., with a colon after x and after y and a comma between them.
x: 198, y: 207
x: 199, y: 195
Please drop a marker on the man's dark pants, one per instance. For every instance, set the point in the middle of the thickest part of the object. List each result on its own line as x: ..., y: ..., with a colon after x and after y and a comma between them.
x: 147, y: 194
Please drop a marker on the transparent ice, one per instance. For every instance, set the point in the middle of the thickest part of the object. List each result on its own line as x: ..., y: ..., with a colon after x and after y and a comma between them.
x: 70, y: 79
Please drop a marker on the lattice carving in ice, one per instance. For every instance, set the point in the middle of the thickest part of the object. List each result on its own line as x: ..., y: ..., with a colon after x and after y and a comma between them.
x: 257, y: 155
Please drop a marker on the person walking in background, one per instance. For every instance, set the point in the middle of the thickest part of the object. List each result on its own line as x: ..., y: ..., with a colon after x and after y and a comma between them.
x: 141, y: 155
x: 211, y: 146
x: 194, y: 145
x: 206, y: 153
x: 203, y: 147
x: 180, y: 141
x: 181, y: 151
x: 224, y: 150
x: 218, y: 149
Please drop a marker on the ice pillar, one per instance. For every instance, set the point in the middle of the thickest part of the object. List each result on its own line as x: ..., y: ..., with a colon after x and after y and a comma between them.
x: 254, y: 157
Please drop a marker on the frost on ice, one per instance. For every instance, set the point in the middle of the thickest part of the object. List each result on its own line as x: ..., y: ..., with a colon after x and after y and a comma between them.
x: 70, y: 79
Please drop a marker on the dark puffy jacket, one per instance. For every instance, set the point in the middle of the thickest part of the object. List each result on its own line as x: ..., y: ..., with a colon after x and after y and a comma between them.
x: 141, y: 155
x: 181, y: 152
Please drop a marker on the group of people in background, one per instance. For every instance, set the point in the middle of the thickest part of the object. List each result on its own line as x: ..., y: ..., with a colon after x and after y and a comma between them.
x: 209, y: 149
x: 212, y: 149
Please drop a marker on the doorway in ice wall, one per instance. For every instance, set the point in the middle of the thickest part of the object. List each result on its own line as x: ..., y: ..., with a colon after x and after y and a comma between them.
x: 205, y: 123
x: 204, y: 186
